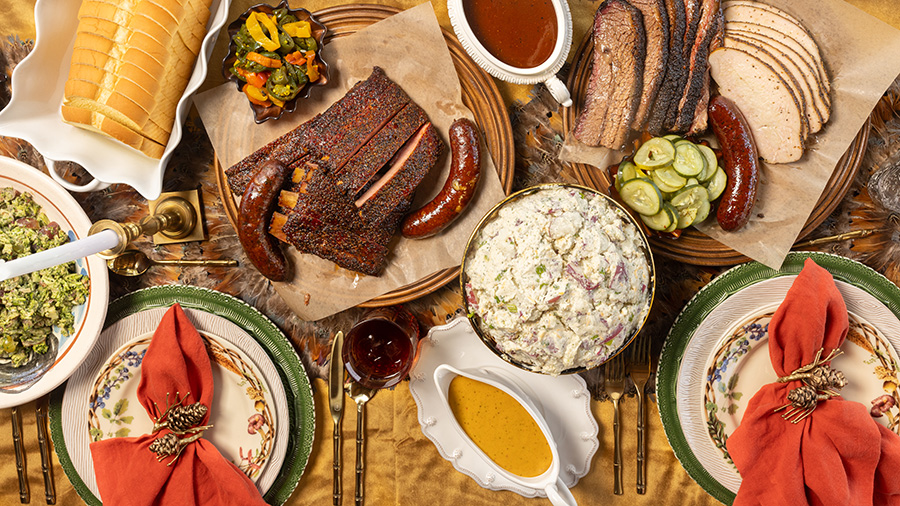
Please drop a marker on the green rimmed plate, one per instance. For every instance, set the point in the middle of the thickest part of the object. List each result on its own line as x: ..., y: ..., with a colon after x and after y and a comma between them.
x: 297, y: 388
x: 699, y: 328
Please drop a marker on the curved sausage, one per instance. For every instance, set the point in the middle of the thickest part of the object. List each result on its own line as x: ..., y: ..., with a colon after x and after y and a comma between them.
x: 257, y: 205
x: 741, y: 163
x: 465, y: 172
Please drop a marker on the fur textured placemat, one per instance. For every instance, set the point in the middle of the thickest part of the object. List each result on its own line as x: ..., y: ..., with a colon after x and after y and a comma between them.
x: 538, y: 135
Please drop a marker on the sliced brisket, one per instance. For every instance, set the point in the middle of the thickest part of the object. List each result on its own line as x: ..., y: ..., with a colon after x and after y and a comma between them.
x: 698, y: 78
x: 668, y: 91
x: 656, y: 28
x: 619, y: 52
x: 589, y: 125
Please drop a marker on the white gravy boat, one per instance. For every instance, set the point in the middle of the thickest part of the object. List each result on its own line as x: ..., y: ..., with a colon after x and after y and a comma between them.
x: 549, y: 481
x: 545, y: 72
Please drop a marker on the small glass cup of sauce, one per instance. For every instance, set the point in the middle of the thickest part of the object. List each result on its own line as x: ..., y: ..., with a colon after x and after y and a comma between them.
x: 380, y: 349
x: 518, y: 41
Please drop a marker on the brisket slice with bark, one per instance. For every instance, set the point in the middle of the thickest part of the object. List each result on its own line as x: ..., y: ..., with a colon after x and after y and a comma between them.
x: 692, y: 15
x: 697, y: 88
x: 614, y: 89
x: 656, y: 28
x: 668, y: 91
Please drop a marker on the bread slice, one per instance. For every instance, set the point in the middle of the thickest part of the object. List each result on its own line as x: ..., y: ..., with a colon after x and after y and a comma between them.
x: 96, y: 122
x: 130, y: 65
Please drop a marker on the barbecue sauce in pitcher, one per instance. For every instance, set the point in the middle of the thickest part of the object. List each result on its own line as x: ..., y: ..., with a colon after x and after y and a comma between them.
x: 520, y: 33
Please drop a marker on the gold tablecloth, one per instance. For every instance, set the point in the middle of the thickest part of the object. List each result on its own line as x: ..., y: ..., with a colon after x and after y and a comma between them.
x: 403, y: 467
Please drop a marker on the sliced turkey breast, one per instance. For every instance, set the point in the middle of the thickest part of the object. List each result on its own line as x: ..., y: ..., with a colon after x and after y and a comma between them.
x: 772, y: 112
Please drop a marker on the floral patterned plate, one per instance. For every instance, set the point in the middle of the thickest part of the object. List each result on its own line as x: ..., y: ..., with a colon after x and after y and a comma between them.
x: 735, y: 298
x: 243, y: 414
x: 741, y: 366
x: 234, y: 326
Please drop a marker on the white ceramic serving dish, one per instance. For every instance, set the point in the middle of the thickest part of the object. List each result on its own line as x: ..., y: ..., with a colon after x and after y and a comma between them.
x: 545, y: 72
x: 548, y: 481
x: 59, y: 206
x: 33, y: 112
x: 563, y: 402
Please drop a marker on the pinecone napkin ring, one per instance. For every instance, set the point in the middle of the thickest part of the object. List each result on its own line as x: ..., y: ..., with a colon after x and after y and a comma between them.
x: 183, y: 422
x: 820, y: 382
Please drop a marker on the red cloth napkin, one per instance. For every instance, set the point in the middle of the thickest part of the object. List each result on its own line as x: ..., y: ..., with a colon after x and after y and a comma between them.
x: 127, y: 471
x: 838, y: 455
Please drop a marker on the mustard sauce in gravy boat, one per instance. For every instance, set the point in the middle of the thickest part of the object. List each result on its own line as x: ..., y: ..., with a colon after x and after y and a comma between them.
x: 487, y: 387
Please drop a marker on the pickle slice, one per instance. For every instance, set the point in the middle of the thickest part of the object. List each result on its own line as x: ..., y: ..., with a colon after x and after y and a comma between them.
x: 689, y: 161
x: 670, y: 177
x: 665, y: 219
x: 642, y: 195
x: 716, y: 185
x: 626, y: 172
x: 711, y: 163
x: 664, y: 187
x: 655, y: 153
x: 692, y: 202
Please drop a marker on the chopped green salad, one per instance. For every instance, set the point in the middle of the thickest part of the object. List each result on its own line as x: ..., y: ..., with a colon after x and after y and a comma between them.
x: 32, y: 304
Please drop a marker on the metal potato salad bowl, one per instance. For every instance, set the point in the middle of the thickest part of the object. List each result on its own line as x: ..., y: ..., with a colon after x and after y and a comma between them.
x: 471, y: 306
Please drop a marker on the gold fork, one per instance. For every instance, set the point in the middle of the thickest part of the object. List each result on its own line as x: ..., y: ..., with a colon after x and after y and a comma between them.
x: 615, y: 387
x: 639, y: 370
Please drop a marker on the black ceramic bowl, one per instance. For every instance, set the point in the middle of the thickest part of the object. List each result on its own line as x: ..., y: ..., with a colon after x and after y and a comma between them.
x: 265, y: 113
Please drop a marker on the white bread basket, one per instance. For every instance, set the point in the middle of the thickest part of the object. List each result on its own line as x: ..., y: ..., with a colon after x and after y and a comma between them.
x: 33, y: 113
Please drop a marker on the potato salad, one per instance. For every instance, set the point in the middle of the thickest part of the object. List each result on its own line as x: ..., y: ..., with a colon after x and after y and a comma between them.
x: 559, y: 278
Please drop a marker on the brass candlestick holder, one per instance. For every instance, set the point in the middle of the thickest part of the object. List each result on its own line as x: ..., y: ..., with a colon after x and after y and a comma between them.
x: 174, y: 218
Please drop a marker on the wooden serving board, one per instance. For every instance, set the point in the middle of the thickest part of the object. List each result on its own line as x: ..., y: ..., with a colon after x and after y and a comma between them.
x: 479, y: 94
x: 695, y: 247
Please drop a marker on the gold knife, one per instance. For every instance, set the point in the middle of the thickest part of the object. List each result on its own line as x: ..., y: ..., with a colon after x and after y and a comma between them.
x: 336, y: 400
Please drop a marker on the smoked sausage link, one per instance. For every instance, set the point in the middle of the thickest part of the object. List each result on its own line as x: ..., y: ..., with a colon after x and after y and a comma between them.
x: 458, y: 190
x: 741, y: 163
x: 257, y: 205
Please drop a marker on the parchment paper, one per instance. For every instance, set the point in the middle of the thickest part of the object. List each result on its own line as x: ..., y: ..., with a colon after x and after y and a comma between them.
x: 411, y: 49
x: 862, y: 56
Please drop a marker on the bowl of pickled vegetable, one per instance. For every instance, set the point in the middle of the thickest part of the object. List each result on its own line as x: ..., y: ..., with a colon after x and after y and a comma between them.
x: 275, y: 58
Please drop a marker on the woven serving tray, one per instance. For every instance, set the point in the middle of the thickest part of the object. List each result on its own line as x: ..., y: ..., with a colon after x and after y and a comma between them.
x: 695, y: 247
x: 479, y: 94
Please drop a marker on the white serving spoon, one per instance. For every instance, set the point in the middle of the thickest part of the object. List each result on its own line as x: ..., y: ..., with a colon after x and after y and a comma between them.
x: 549, y: 481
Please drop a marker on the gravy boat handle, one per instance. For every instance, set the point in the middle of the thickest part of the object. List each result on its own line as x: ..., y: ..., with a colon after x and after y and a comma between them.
x: 559, y: 91
x: 559, y: 494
